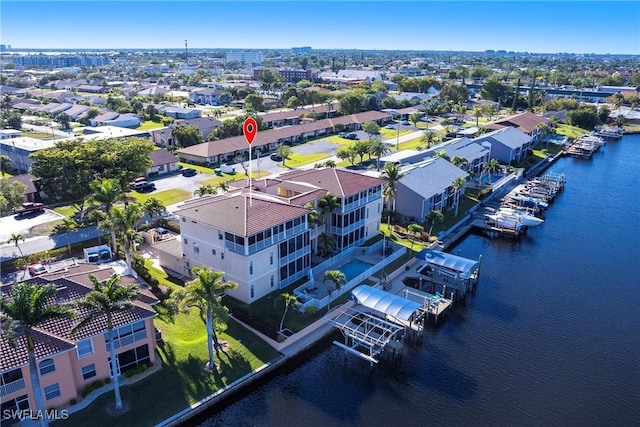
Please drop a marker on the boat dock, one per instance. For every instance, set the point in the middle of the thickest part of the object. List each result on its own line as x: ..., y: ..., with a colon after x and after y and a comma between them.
x: 585, y: 146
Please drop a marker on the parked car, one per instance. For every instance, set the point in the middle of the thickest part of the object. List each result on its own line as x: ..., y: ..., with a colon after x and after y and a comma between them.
x: 275, y: 157
x: 343, y: 134
x: 189, y: 172
x: 37, y: 269
x: 144, y: 187
x: 139, y: 179
x: 352, y: 136
x: 390, y: 127
x: 406, y: 122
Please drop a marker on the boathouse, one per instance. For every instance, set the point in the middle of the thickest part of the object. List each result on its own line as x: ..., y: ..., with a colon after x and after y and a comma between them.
x: 443, y: 272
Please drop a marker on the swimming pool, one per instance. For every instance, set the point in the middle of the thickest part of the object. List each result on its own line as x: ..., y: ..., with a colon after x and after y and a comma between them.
x: 354, y: 267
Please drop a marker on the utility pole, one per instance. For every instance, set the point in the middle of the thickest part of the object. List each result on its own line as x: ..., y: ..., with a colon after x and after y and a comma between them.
x: 186, y: 53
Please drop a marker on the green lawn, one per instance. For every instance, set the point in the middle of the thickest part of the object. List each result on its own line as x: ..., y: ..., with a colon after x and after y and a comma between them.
x: 182, y: 380
x: 67, y: 211
x: 166, y: 197
x: 570, y: 131
x: 38, y: 135
x: 296, y: 159
x: 201, y: 169
x: 391, y: 133
x: 215, y: 180
x: 149, y: 124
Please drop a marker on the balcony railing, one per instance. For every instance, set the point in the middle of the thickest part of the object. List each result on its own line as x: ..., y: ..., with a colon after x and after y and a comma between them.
x: 12, y: 387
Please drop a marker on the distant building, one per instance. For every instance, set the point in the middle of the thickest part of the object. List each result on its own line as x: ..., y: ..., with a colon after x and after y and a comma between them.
x: 60, y: 61
x: 248, y: 57
x: 303, y: 49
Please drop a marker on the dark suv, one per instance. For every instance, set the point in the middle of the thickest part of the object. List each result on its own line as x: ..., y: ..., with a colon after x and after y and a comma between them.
x: 144, y: 187
x: 189, y: 172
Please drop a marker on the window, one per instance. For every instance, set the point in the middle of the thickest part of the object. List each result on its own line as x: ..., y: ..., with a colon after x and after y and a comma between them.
x: 213, y: 251
x: 221, y: 255
x: 47, y: 366
x: 272, y: 280
x: 88, y: 371
x: 127, y: 334
x: 184, y: 219
x: 196, y: 248
x: 250, y: 267
x: 253, y: 293
x: 52, y: 391
x: 20, y: 402
x: 84, y: 348
x: 220, y: 237
x: 271, y: 258
x: 186, y: 241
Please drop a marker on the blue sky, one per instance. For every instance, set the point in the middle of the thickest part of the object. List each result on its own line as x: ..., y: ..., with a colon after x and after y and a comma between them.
x: 538, y: 26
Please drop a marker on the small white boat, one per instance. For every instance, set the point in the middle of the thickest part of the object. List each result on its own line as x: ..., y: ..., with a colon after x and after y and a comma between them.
x: 530, y: 201
x: 525, y: 217
x: 504, y: 221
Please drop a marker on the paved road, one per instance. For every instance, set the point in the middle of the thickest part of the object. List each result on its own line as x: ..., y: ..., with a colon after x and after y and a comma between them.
x: 34, y: 245
x: 21, y: 225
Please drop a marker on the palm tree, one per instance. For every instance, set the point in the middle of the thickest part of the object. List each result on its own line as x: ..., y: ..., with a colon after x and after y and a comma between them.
x: 336, y: 277
x: 106, y: 193
x: 377, y: 148
x: 442, y: 154
x: 391, y: 175
x: 328, y: 204
x: 429, y: 138
x: 415, y: 229
x: 124, y: 220
x: 203, y: 190
x: 153, y: 207
x: 205, y: 292
x: 223, y: 186
x: 100, y: 218
x: 290, y: 300
x: 29, y: 306
x: 460, y: 161
x: 457, y: 185
x: 107, y: 299
x: 314, y: 219
x: 433, y: 216
x: 284, y: 151
x: 15, y: 239
x: 478, y: 111
x: 491, y: 167
x: 328, y: 242
x: 330, y: 163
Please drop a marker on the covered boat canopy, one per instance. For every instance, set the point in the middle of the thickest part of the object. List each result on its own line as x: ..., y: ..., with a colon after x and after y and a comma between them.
x: 461, y: 266
x: 385, y: 302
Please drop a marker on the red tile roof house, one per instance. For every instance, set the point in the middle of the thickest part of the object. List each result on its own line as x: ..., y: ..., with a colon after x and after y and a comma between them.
x: 67, y: 363
x: 526, y: 122
x: 263, y: 241
x: 224, y: 150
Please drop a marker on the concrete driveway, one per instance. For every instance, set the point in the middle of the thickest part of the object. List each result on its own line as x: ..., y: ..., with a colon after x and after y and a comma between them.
x: 22, y: 225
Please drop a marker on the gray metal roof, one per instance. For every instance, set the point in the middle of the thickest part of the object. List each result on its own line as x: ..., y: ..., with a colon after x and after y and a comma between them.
x: 432, y: 178
x: 385, y: 302
x: 462, y: 266
x: 509, y: 137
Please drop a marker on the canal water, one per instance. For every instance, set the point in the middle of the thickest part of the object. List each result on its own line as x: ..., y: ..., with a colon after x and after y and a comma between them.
x: 552, y: 336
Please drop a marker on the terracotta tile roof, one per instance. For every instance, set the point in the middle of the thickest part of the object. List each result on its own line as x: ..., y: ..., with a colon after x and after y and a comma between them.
x: 525, y: 122
x: 46, y: 345
x: 336, y: 181
x: 55, y: 336
x: 235, y: 214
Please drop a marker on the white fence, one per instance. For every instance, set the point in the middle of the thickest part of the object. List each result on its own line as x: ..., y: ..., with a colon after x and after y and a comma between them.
x: 310, y: 301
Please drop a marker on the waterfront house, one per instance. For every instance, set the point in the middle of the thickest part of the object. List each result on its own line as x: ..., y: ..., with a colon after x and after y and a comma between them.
x: 526, y: 122
x: 261, y: 238
x: 508, y: 145
x: 68, y: 363
x: 476, y: 153
x: 427, y: 186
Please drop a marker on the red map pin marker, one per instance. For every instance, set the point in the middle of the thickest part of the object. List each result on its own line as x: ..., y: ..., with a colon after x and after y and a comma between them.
x: 250, y: 128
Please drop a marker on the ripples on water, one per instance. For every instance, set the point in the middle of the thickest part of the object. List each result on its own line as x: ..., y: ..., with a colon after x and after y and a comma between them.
x: 551, y: 337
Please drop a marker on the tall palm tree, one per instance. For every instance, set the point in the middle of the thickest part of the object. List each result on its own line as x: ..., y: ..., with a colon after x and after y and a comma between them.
x: 336, y: 277
x: 107, y: 299
x: 205, y: 292
x: 106, y: 193
x: 327, y: 241
x: 153, y: 207
x: 433, y: 216
x: 290, y: 301
x: 313, y: 218
x: 457, y: 185
x: 223, y: 186
x: 328, y: 204
x: 15, y: 239
x: 478, y: 111
x: 29, y: 306
x: 124, y: 220
x: 377, y: 148
x: 391, y: 175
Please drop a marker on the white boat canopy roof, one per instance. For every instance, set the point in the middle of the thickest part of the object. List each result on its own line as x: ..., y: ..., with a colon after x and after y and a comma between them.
x: 462, y: 266
x: 385, y: 302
